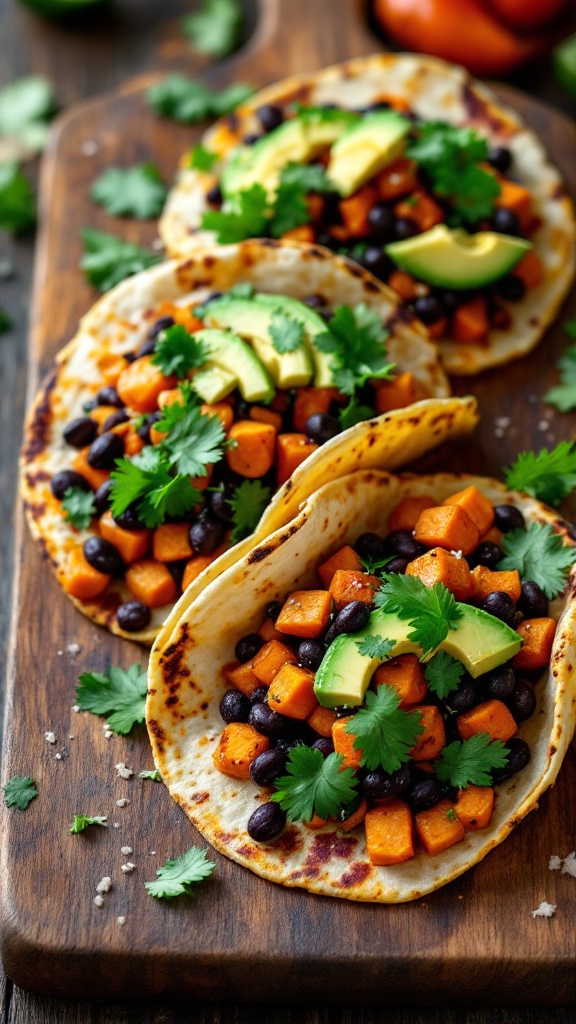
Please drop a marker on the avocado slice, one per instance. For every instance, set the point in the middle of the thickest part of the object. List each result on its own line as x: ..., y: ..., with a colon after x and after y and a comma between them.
x: 313, y: 325
x: 252, y: 319
x: 232, y: 356
x: 480, y: 641
x: 451, y: 258
x: 365, y: 148
x: 212, y: 383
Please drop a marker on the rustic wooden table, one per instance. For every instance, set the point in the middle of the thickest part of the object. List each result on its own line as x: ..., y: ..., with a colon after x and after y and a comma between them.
x: 139, y: 36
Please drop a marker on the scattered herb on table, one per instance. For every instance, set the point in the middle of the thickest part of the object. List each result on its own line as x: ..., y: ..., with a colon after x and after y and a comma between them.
x: 469, y: 762
x: 563, y: 396
x: 81, y: 822
x: 130, y: 192
x: 432, y: 611
x: 19, y: 791
x: 564, y: 57
x: 153, y: 775
x: 248, y: 502
x: 384, y: 733
x: 188, y: 101
x: 120, y: 695
x: 17, y: 201
x: 107, y: 259
x: 547, y: 475
x: 216, y: 28
x: 179, y: 876
x: 78, y: 506
x: 539, y: 555
x: 443, y: 674
x: 314, y: 785
x: 26, y: 107
x: 5, y: 321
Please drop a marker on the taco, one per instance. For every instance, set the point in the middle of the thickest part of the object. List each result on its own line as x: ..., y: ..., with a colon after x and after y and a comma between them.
x: 374, y: 736
x: 411, y: 167
x: 158, y: 438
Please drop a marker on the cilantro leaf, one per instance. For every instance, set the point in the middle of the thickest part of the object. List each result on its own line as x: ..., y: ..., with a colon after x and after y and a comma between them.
x: 5, y: 321
x: 354, y: 413
x: 147, y: 481
x: 290, y: 208
x: 356, y: 338
x: 286, y: 333
x: 248, y: 503
x: 120, y: 695
x: 539, y: 555
x: 188, y: 101
x: 194, y: 439
x: 241, y: 290
x: 19, y: 791
x: 177, y: 351
x: 373, y: 565
x: 79, y: 507
x: 81, y: 822
x: 216, y: 28
x: 17, y: 202
x: 244, y: 215
x: 153, y: 775
x: 470, y: 761
x: 375, y: 646
x: 383, y: 732
x: 201, y: 159
x: 130, y: 192
x: 431, y: 610
x: 26, y: 107
x: 563, y: 396
x: 548, y: 475
x: 314, y: 785
x: 443, y: 674
x: 177, y: 877
x: 107, y: 260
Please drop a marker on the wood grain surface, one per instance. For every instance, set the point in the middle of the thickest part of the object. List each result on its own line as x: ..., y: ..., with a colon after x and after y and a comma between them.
x: 474, y: 942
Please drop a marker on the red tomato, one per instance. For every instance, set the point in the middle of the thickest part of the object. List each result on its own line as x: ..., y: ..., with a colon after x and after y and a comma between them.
x: 527, y: 14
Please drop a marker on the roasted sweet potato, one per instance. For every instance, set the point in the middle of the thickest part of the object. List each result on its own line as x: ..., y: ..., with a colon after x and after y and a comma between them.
x: 396, y: 393
x: 222, y: 410
x: 305, y: 613
x: 404, y: 285
x: 389, y: 838
x: 292, y: 450
x: 308, y: 402
x: 421, y: 208
x: 351, y: 585
x: 253, y: 454
x: 242, y: 677
x: 151, y: 582
x: 430, y: 742
x: 322, y: 720
x: 171, y: 543
x: 80, y: 579
x: 405, y: 514
x: 440, y: 566
x: 95, y: 477
x: 470, y: 322
x: 474, y: 807
x: 132, y: 544
x: 492, y: 717
x: 291, y: 692
x: 344, y: 743
x: 270, y: 659
x: 447, y: 526
x: 260, y: 414
x: 487, y: 581
x: 439, y: 828
x: 344, y: 558
x: 197, y: 564
x: 538, y: 637
x: 398, y: 179
x: 530, y: 270
x: 140, y: 384
x: 405, y: 675
x: 478, y: 507
x: 355, y: 818
x: 517, y: 198
x: 239, y: 745
x: 356, y: 208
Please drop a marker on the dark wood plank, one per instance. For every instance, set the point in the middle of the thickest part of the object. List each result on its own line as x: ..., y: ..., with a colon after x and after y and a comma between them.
x: 472, y: 942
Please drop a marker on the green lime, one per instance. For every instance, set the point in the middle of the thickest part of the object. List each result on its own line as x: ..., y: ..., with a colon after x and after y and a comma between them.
x: 565, y: 65
x: 63, y: 8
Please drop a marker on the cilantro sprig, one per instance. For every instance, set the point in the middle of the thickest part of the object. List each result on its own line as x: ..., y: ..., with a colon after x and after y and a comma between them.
x: 432, y: 611
x: 375, y: 646
x: 177, y: 352
x: 19, y: 792
x: 26, y: 107
x: 17, y: 201
x: 201, y: 159
x: 130, y: 192
x: 120, y: 695
x: 356, y: 337
x: 152, y: 774
x: 470, y: 762
x: 81, y: 822
x: 107, y: 259
x: 383, y: 732
x: 547, y: 475
x: 179, y: 876
x: 79, y: 507
x: 189, y: 101
x: 539, y: 554
x: 194, y: 439
x: 5, y: 321
x: 314, y: 785
x: 286, y: 333
x: 216, y: 28
x: 443, y: 674
x: 248, y: 502
x: 147, y: 481
x: 245, y: 215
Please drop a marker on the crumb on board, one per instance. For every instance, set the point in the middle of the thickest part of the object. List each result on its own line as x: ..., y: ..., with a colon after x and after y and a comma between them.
x: 50, y: 737
x: 128, y: 868
x: 126, y: 851
x: 104, y: 885
x: 122, y: 802
x: 545, y: 910
x: 555, y: 863
x: 122, y: 771
x: 99, y: 900
x: 569, y: 865
x: 121, y: 920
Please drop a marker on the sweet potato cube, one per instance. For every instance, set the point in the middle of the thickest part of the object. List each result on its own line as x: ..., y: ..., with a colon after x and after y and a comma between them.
x: 447, y: 526
x: 80, y: 579
x: 344, y: 743
x: 530, y: 269
x: 396, y: 393
x: 355, y: 818
x: 538, y: 637
x: 421, y: 208
x: 270, y: 659
x: 291, y: 452
x: 111, y: 365
x: 260, y: 414
x: 397, y: 179
x: 486, y: 582
x: 170, y: 397
x: 268, y: 631
x: 291, y: 692
x: 222, y: 410
x: 480, y: 510
x: 95, y: 477
x: 405, y: 286
x: 239, y: 745
x: 197, y: 564
x: 405, y: 675
x: 305, y: 613
x: 242, y: 677
x: 151, y: 582
x: 474, y: 807
x: 492, y: 717
x: 133, y: 443
x: 101, y: 414
x: 131, y: 544
x: 389, y: 837
x: 345, y: 558
x: 253, y: 454
x: 470, y: 322
x: 355, y: 210
x: 302, y: 233
x: 308, y: 402
x: 430, y: 742
x: 171, y: 542
x: 438, y: 828
x: 322, y: 720
x: 405, y: 515
x: 517, y: 198
x: 140, y: 384
x: 440, y: 566
x: 315, y: 822
x: 351, y: 585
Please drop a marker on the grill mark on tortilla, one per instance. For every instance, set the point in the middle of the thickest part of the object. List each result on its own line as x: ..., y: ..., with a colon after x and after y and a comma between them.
x: 289, y: 841
x: 264, y: 550
x: 328, y: 845
x: 39, y: 427
x: 357, y: 873
x: 200, y: 798
x: 483, y: 110
x: 38, y: 476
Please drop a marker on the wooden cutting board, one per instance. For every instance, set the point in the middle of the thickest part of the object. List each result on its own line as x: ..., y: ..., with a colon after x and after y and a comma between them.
x: 474, y: 941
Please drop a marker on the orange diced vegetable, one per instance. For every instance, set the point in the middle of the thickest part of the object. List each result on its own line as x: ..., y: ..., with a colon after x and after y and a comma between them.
x: 344, y: 743
x: 171, y: 542
x: 403, y: 284
x: 111, y: 365
x: 405, y: 675
x: 389, y: 838
x: 495, y: 535
x: 538, y: 637
x: 322, y: 720
x: 351, y: 585
x: 170, y: 397
x: 133, y: 443
x: 180, y: 314
x: 440, y: 566
x: 474, y: 807
x: 80, y: 579
x: 430, y: 742
x: 260, y: 414
x: 447, y: 526
x: 202, y: 482
x: 405, y: 515
x: 242, y: 677
x: 315, y: 208
x: 356, y: 208
x: 517, y: 198
x: 344, y: 558
x: 438, y: 828
x: 197, y: 564
x: 486, y: 582
x: 396, y: 393
x: 421, y: 208
x: 140, y: 384
x: 305, y: 613
x: 101, y: 413
x: 268, y: 631
x: 95, y: 477
x: 222, y: 410
x: 308, y: 402
x: 292, y: 450
x: 480, y: 510
x: 151, y: 582
x: 303, y: 233
x: 270, y: 659
x: 239, y: 745
x: 438, y: 329
x: 156, y: 436
x: 492, y: 717
x: 530, y: 269
x: 315, y: 822
x: 470, y: 323
x: 355, y: 818
x: 291, y: 692
x: 131, y: 544
x: 397, y: 179
x: 253, y: 454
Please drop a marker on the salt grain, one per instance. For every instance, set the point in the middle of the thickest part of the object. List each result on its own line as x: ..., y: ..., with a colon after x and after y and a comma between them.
x: 76, y: 707
x: 123, y: 771
x: 58, y: 757
x: 545, y: 910
x: 122, y: 802
x: 543, y: 425
x: 50, y: 737
x: 90, y: 147
x: 126, y: 850
x: 105, y: 884
x: 128, y: 867
x: 99, y: 901
x: 73, y: 649
x: 121, y: 921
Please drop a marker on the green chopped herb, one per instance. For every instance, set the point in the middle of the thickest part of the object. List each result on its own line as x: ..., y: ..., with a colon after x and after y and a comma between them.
x: 375, y: 646
x: 443, y: 674
x: 130, y: 192
x: 148, y: 482
x: 432, y: 611
x: 356, y: 337
x: 548, y: 475
x: 188, y: 101
x: 384, y: 733
x: 177, y: 352
x: 201, y: 159
x: 286, y: 334
x: 81, y: 822
x: 469, y: 762
x: 120, y: 695
x: 178, y: 877
x: 539, y: 554
x: 5, y: 321
x: 79, y: 507
x: 107, y: 260
x: 153, y: 775
x: 245, y: 215
x: 26, y: 107
x: 17, y: 202
x: 216, y: 28
x: 19, y: 791
x: 248, y: 503
x: 314, y: 785
x: 563, y: 396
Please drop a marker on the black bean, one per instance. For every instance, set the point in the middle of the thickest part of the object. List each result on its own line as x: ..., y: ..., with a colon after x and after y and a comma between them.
x: 463, y: 697
x: 104, y: 451
x: 487, y: 553
x: 219, y: 503
x: 109, y: 396
x: 214, y: 195
x: 251, y: 138
x: 234, y: 706
x: 518, y: 758
x: 102, y: 497
x: 320, y: 427
x: 66, y: 478
x: 267, y: 767
x: 380, y: 785
x: 162, y: 324
x: 266, y: 822
x: 499, y: 683
x: 533, y: 601
x: 511, y: 288
x: 325, y: 745
x: 398, y: 565
x: 505, y: 221
x: 103, y: 556
x: 377, y: 262
x: 350, y: 619
x: 269, y: 722
x: 205, y: 535
x: 508, y: 517
x: 273, y: 610
x: 401, y: 542
x: 451, y: 299
x: 405, y: 227
x: 429, y: 308
x: 287, y: 743
x: 177, y: 570
x: 522, y: 701
x: 143, y: 430
x: 242, y: 409
x: 259, y: 695
x: 80, y: 432
x: 270, y: 116
x: 500, y: 605
x: 370, y: 545
x: 248, y: 647
x: 115, y: 419
x: 425, y: 793
x: 500, y: 157
x: 310, y: 654
x: 314, y: 301
x: 129, y: 520
x: 381, y: 221
x: 133, y: 616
